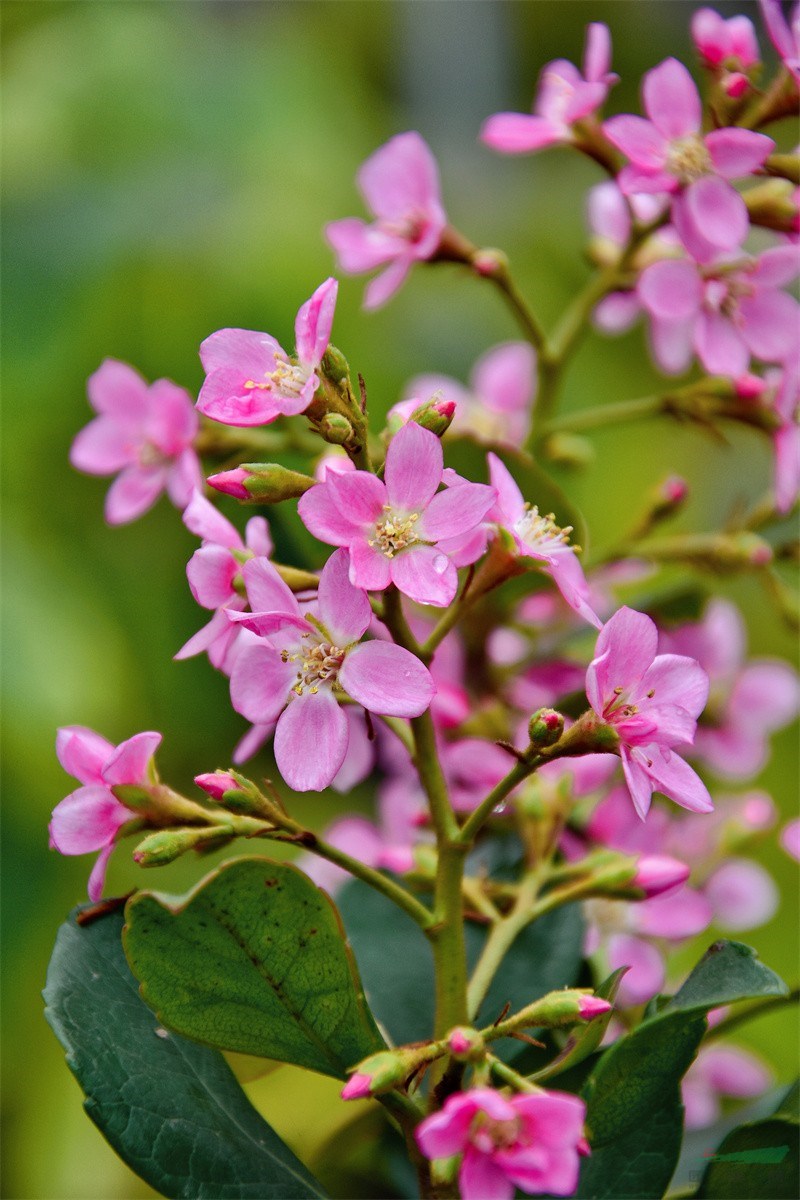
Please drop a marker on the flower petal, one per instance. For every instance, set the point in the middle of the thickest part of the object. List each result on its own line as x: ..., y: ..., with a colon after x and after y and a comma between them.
x: 102, y: 447
x: 520, y: 133
x: 738, y: 152
x: 716, y: 211
x: 260, y: 683
x: 86, y: 820
x: 456, y: 511
x: 414, y: 463
x: 132, y: 493
x: 82, y: 752
x: 639, y: 140
x: 742, y: 894
x: 646, y: 975
x: 671, y: 99
x: 369, y: 569
x: 311, y: 741
x: 205, y: 521
x: 387, y: 679
x: 312, y: 328
x: 344, y: 609
x: 425, y: 574
x: 266, y: 591
x: 130, y: 762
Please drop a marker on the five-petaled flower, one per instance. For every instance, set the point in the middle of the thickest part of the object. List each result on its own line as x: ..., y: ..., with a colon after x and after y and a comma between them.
x: 307, y: 661
x: 392, y: 528
x: 251, y: 380
x: 653, y: 702
x: 91, y: 817
x: 532, y: 1142
x: 400, y: 184
x: 143, y: 431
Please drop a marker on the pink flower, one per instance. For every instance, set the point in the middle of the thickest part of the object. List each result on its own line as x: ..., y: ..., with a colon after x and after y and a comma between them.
x: 668, y: 153
x: 721, y: 1071
x: 540, y: 538
x: 392, y: 529
x: 250, y: 380
x: 302, y: 665
x: 784, y: 388
x: 145, y: 432
x: 723, y: 312
x: 748, y: 700
x: 400, y: 184
x: 90, y: 818
x: 214, y: 571
x: 496, y: 406
x: 784, y: 35
x: 564, y: 97
x: 653, y: 702
x: 724, y: 43
x: 790, y: 838
x: 532, y: 1142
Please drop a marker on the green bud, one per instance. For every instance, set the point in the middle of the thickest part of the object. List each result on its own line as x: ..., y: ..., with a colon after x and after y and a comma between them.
x: 335, y: 365
x: 545, y: 727
x: 336, y: 429
x: 435, y: 415
x: 269, y: 483
x: 466, y: 1044
x: 168, y: 844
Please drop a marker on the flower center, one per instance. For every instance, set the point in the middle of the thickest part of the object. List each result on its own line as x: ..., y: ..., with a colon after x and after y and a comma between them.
x: 689, y: 159
x: 288, y: 379
x: 318, y: 664
x: 540, y: 532
x: 394, y: 532
x: 488, y: 1134
x: 149, y: 455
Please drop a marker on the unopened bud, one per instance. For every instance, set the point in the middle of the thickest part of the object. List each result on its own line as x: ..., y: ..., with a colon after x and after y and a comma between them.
x: 657, y: 873
x: 465, y: 1044
x: 773, y: 205
x: 216, y: 784
x: 262, y: 483
x: 357, y: 1087
x: 335, y: 365
x: 556, y: 1008
x: 593, y: 1006
x: 336, y: 429
x: 735, y: 84
x: 750, y: 387
x: 169, y: 844
x: 545, y: 727
x: 490, y: 262
x: 384, y: 1071
x: 436, y: 415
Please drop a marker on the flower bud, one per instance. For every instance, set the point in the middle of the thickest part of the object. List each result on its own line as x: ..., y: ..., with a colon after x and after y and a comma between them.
x: 357, y: 1087
x: 593, y: 1006
x: 216, y: 784
x: 436, y: 415
x: 556, y: 1008
x: 545, y: 727
x: 262, y: 483
x: 383, y: 1071
x: 465, y: 1044
x: 657, y: 873
x: 168, y: 844
x: 335, y: 365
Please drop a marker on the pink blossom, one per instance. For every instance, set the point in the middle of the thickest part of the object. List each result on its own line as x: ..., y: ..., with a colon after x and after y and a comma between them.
x: 748, y: 700
x: 539, y: 538
x: 784, y: 390
x: 722, y: 311
x: 532, y: 1142
x: 91, y: 817
x: 784, y: 35
x: 496, y: 406
x: 790, y: 838
x: 721, y: 1071
x: 564, y: 96
x: 251, y: 380
x: 400, y: 185
x: 143, y: 431
x: 392, y: 528
x: 668, y: 153
x: 653, y: 702
x: 214, y: 572
x: 721, y: 43
x: 743, y: 895
x: 303, y: 664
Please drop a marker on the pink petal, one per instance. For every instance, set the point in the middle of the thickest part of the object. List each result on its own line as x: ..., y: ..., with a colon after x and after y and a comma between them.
x: 425, y: 574
x: 445, y: 1133
x: 358, y: 495
x: 777, y: 266
x: 787, y: 467
x: 216, y: 630
x: 680, y: 915
x: 734, y: 1071
x: 117, y: 391
x: 710, y: 36
x: 510, y: 502
x: 325, y: 518
x: 399, y: 177
x: 567, y: 574
x: 97, y: 875
x: 480, y: 1178
x: 646, y: 976
x: 130, y: 762
x: 505, y: 377
x: 738, y: 152
x: 639, y: 140
x: 456, y: 511
x: 172, y: 422
x: 616, y: 313
x: 82, y: 752
x: 597, y: 54
x: 102, y: 447
x: 361, y: 247
x: 311, y: 741
x: 625, y: 649
x: 742, y: 894
x: 383, y: 286
x: 260, y: 683
x: 675, y: 680
x: 413, y: 471
x: 312, y: 329
x: 671, y: 290
x: 266, y: 591
x: 720, y: 346
x: 205, y: 521
x: 184, y: 478
x: 211, y: 571
x: 676, y: 779
x: 387, y: 679
x: 671, y: 343
x: 246, y: 353
x: 271, y: 625
x: 344, y: 610
x: 716, y: 211
x: 765, y: 697
x: 360, y: 757
x: 519, y: 133
x: 86, y: 820
x: 637, y: 777
x: 369, y: 568
x: 770, y: 321
x: 671, y: 100
x: 257, y: 537
x: 132, y: 493
x: 608, y: 214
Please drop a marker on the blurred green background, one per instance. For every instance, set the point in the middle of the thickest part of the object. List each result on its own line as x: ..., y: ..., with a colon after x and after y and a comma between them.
x: 168, y: 169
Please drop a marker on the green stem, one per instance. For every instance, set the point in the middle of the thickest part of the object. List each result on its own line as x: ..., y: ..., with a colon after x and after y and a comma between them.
x: 528, y: 321
x: 499, y: 942
x: 515, y: 776
x: 608, y: 414
x: 509, y: 1075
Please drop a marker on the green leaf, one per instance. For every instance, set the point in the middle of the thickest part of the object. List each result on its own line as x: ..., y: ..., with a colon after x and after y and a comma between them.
x: 397, y: 965
x: 760, y: 1160
x: 170, y: 1108
x: 634, y: 1110
x: 254, y: 960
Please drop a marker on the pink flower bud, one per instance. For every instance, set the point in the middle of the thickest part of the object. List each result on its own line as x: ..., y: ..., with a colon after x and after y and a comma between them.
x: 735, y: 84
x: 231, y: 483
x: 749, y: 387
x: 656, y: 873
x: 459, y: 1042
x: 216, y: 784
x: 357, y: 1087
x: 592, y: 1006
x: 674, y: 489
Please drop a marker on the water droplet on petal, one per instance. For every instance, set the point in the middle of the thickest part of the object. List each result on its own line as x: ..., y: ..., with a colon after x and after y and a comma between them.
x: 440, y: 564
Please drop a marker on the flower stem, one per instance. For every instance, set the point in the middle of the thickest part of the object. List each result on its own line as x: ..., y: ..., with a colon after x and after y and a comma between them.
x: 608, y: 414
x: 476, y: 819
x: 499, y: 942
x: 509, y: 1075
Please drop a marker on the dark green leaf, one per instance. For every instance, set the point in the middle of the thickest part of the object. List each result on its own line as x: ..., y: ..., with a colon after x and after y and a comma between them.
x: 633, y: 1095
x: 397, y: 965
x: 170, y: 1108
x: 253, y: 960
x: 759, y: 1160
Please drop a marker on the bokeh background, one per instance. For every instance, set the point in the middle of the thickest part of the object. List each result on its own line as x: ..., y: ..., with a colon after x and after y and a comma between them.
x: 168, y: 169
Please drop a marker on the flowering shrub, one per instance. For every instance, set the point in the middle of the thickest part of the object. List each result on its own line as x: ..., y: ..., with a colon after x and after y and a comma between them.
x: 492, y: 969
